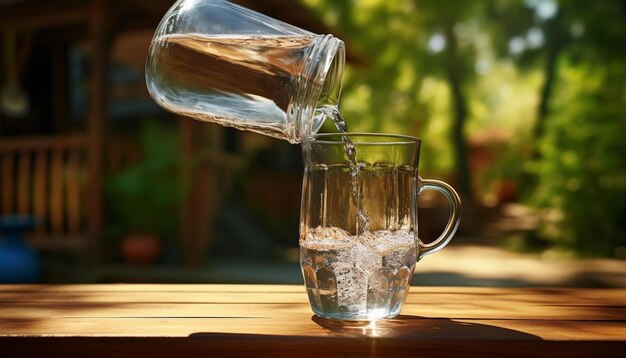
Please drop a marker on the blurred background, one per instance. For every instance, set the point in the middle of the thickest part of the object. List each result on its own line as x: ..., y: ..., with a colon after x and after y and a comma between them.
x: 521, y: 105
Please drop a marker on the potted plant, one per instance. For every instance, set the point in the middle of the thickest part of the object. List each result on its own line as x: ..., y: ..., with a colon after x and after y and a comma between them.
x: 143, y: 200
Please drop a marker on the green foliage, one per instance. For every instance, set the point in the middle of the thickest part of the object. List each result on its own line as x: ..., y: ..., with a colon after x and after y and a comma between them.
x: 385, y: 90
x: 145, y: 197
x: 582, y: 168
x: 380, y: 94
x: 577, y: 170
x: 546, y: 75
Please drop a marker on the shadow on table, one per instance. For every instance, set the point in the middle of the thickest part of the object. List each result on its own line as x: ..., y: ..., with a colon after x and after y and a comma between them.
x: 401, y: 336
x: 449, y: 278
x: 419, y: 328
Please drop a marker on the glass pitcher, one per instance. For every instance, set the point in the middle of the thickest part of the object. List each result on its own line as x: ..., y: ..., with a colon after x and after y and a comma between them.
x: 216, y: 61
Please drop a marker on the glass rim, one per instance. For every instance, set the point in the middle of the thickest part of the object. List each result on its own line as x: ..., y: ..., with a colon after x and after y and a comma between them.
x: 394, y: 139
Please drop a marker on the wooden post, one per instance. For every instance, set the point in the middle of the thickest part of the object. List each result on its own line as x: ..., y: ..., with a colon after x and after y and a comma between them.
x: 59, y: 92
x: 96, y: 125
x: 200, y: 206
x: 187, y: 231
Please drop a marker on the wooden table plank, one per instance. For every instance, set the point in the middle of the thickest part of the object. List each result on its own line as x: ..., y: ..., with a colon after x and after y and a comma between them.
x: 251, y: 308
x: 170, y: 301
x: 309, y: 326
x: 278, y: 318
x: 293, y: 293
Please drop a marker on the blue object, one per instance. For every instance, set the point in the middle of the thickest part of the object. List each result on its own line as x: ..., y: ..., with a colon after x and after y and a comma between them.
x: 19, y: 263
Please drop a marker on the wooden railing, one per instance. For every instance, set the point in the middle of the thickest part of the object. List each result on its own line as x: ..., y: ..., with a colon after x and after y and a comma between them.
x: 45, y: 177
x: 210, y: 181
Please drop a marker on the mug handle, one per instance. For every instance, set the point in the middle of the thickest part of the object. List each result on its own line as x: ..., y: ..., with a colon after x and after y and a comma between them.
x: 453, y: 220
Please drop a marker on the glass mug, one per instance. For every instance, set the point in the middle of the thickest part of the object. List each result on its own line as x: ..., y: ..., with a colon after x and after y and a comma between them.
x: 355, y: 272
x: 216, y: 61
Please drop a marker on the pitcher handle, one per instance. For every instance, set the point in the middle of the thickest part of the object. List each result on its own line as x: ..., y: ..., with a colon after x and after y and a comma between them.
x: 453, y: 220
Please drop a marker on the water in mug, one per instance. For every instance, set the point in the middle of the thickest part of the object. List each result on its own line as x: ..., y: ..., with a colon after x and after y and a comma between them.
x: 254, y: 77
x: 358, y: 274
x: 364, y: 277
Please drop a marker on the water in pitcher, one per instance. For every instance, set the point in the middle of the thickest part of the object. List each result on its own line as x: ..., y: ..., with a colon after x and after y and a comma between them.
x: 238, y: 81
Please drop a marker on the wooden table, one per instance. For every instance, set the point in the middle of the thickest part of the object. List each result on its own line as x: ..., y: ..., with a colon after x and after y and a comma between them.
x: 220, y: 320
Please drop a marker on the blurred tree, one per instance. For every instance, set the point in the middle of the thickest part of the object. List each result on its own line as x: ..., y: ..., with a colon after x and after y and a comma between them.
x: 489, y: 62
x: 577, y: 167
x: 536, y: 33
x: 405, y: 42
x: 533, y: 33
x: 453, y: 59
x: 582, y: 169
